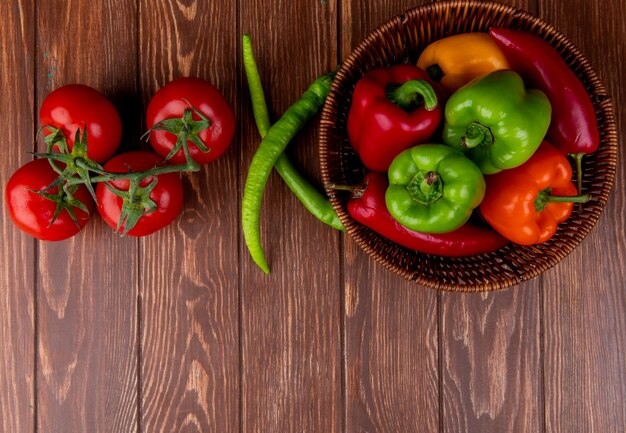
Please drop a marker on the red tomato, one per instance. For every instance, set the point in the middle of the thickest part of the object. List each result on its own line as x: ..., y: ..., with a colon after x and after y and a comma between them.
x: 171, y: 101
x: 71, y: 106
x: 167, y: 194
x: 32, y: 213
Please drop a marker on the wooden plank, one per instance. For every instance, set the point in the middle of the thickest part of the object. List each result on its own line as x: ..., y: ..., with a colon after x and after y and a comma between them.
x: 391, y: 331
x: 291, y: 377
x: 491, y: 350
x: 491, y: 361
x: 585, y: 303
x: 391, y: 366
x: 17, y: 296
x: 87, y: 373
x: 189, y: 271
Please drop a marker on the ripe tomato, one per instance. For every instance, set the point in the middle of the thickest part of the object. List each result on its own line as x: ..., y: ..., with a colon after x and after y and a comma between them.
x: 171, y: 101
x: 167, y: 194
x: 71, y: 106
x: 33, y: 213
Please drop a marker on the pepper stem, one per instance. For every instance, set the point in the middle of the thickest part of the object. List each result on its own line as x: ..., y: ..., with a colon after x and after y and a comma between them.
x: 544, y: 198
x: 407, y: 96
x: 426, y: 187
x: 356, y: 191
x: 339, y: 187
x: 584, y: 198
x: 578, y: 158
x: 477, y: 135
x: 435, y: 72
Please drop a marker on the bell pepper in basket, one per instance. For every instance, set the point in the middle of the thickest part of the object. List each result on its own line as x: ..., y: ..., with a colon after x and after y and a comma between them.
x: 392, y: 109
x: 526, y: 204
x: 433, y: 188
x: 456, y: 60
x: 496, y: 121
x: 367, y: 206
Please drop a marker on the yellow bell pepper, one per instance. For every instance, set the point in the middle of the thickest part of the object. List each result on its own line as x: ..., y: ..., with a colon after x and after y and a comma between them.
x: 456, y: 60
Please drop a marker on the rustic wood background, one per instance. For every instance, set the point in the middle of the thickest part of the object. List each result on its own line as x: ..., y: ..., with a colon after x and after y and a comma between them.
x: 180, y: 332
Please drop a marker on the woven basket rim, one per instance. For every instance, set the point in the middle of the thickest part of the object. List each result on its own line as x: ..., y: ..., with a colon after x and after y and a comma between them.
x: 594, y: 85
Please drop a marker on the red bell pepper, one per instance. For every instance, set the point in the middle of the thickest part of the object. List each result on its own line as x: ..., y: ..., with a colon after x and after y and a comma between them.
x: 393, y: 109
x: 526, y: 204
x: 367, y: 206
x: 574, y: 127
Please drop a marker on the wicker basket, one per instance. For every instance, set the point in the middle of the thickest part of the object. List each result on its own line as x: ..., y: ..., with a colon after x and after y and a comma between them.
x: 400, y: 40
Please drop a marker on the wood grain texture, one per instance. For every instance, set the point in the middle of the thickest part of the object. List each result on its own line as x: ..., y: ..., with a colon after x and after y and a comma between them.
x: 491, y: 351
x: 491, y: 361
x: 87, y: 285
x: 391, y: 361
x: 17, y: 250
x: 180, y: 332
x: 189, y: 271
x: 291, y: 368
x: 391, y: 330
x: 585, y: 302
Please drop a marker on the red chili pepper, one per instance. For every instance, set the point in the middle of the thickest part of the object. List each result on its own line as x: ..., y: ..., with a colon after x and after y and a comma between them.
x: 392, y: 109
x: 574, y: 127
x: 368, y: 208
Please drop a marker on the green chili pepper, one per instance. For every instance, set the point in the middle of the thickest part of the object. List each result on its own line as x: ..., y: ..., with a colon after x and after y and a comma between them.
x: 272, y: 146
x: 496, y: 121
x: 257, y: 95
x: 433, y: 188
x: 308, y: 195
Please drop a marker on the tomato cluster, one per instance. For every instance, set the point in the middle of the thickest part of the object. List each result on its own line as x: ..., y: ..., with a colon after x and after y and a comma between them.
x: 138, y: 192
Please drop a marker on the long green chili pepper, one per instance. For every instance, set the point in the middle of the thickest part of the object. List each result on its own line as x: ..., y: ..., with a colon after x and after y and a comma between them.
x: 309, y: 196
x: 257, y: 95
x: 272, y: 146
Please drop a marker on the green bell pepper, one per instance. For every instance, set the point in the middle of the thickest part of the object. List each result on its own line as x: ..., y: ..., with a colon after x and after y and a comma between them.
x: 496, y: 121
x: 433, y: 188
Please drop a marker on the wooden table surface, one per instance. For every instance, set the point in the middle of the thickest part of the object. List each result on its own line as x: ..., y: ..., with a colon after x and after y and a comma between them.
x: 180, y: 332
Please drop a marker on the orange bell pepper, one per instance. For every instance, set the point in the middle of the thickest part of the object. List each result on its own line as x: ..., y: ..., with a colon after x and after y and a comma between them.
x: 526, y: 204
x: 456, y: 60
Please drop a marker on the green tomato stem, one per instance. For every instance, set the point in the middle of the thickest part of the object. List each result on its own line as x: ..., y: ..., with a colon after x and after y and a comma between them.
x: 185, y: 129
x: 105, y: 176
x: 136, y: 201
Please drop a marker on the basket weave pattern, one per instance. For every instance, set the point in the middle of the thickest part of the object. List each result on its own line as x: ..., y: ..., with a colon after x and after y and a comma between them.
x: 401, y: 40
